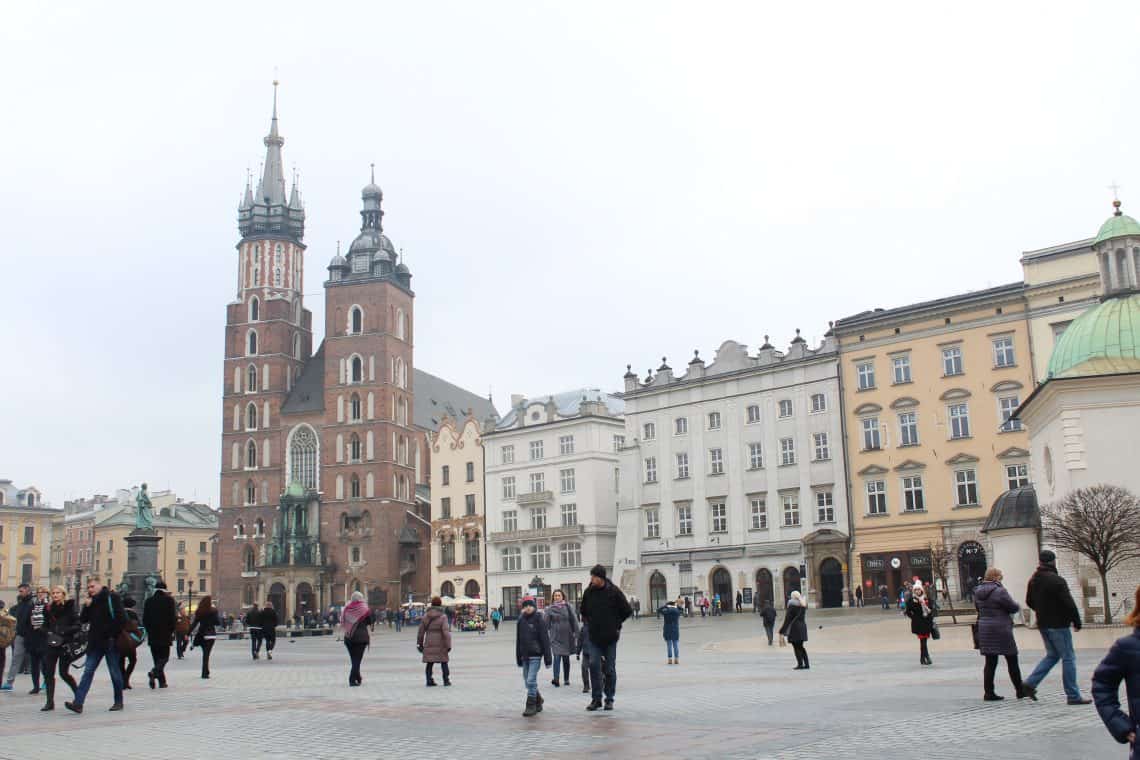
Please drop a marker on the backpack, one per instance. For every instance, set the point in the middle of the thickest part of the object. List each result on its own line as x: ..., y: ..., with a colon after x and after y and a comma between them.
x: 7, y: 630
x: 182, y: 624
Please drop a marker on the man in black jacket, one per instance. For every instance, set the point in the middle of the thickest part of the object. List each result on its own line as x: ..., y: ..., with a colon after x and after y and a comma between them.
x: 1048, y: 596
x: 603, y: 609
x: 159, y: 617
x: 253, y: 625
x: 104, y: 613
x: 268, y: 621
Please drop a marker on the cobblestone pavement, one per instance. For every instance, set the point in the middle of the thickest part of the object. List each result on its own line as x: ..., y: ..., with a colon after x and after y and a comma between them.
x: 725, y: 700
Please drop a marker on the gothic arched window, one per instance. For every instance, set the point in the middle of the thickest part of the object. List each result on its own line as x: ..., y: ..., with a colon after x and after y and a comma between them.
x: 251, y: 343
x: 355, y: 408
x: 249, y: 560
x: 357, y: 369
x: 354, y: 448
x: 354, y: 487
x: 303, y: 457
x: 254, y: 309
x: 250, y: 492
x: 297, y: 346
x: 251, y: 417
x: 357, y: 320
x: 401, y: 325
x: 251, y: 379
x: 251, y: 455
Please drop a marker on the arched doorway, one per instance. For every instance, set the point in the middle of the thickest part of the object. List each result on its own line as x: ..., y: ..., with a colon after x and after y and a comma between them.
x: 971, y: 567
x: 471, y: 590
x: 447, y: 588
x: 830, y: 583
x: 791, y: 581
x: 658, y: 591
x: 722, y: 584
x: 765, y: 590
x: 277, y: 598
x: 304, y: 600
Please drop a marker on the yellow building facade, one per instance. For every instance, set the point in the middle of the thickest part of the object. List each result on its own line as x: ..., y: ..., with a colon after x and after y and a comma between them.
x: 25, y: 539
x: 927, y: 392
x: 458, y: 561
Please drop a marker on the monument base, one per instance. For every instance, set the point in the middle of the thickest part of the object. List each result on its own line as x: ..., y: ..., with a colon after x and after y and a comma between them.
x: 142, y: 562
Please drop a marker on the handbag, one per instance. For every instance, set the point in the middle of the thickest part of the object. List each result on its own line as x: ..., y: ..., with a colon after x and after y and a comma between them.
x: 54, y: 640
x: 934, y: 632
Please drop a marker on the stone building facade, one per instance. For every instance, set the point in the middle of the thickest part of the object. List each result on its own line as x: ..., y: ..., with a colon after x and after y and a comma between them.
x: 458, y: 562
x: 732, y: 479
x: 25, y: 538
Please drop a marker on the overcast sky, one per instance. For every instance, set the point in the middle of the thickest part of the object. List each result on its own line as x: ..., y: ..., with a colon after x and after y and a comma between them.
x: 576, y: 186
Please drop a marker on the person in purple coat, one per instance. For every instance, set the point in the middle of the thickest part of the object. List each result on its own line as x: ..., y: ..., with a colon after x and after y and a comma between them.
x: 995, y: 634
x: 1122, y: 663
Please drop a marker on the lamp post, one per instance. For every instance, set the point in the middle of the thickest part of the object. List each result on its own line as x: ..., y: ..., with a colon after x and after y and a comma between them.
x: 78, y: 584
x: 189, y: 595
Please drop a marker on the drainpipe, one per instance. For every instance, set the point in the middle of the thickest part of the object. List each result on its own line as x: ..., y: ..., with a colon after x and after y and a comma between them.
x: 846, y: 481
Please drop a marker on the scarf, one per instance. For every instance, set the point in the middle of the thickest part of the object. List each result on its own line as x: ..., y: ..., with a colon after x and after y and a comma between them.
x: 353, y: 614
x: 924, y: 602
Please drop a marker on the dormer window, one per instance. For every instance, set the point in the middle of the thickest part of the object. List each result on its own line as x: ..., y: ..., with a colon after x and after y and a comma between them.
x: 360, y: 263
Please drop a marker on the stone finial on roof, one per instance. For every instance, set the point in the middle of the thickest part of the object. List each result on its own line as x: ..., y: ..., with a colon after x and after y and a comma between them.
x: 664, y: 365
x: 629, y: 371
x: 696, y: 357
x: 798, y: 338
x: 767, y: 345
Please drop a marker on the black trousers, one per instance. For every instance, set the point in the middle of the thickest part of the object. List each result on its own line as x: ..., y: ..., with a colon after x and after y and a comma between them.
x: 206, y: 646
x: 564, y: 661
x: 444, y: 668
x: 181, y: 641
x: 801, y: 654
x: 1011, y: 665
x: 585, y: 669
x: 254, y: 643
x: 355, y: 656
x: 130, y: 659
x: 769, y: 629
x: 36, y: 661
x: 160, y: 654
x: 56, y: 658
x: 270, y: 638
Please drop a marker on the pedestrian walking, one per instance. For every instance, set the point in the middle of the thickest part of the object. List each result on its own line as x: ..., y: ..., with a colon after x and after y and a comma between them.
x: 354, y: 623
x: 1048, y: 595
x: 768, y: 616
x: 160, y: 619
x: 128, y: 641
x: 532, y: 649
x: 995, y: 634
x: 62, y: 625
x: 884, y: 597
x: 603, y: 609
x: 794, y: 629
x: 920, y: 610
x: 253, y: 625
x: 739, y: 602
x: 434, y: 642
x: 204, y: 631
x: 269, y: 622
x: 704, y: 605
x: 858, y: 596
x: 7, y: 636
x: 671, y: 631
x: 181, y: 631
x: 496, y: 618
x: 21, y: 611
x: 401, y: 618
x: 36, y: 639
x: 562, y: 629
x: 105, y: 617
x: 1122, y: 663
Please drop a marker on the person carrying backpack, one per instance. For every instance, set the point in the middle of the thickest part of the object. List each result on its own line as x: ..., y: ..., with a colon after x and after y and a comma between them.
x: 103, y: 612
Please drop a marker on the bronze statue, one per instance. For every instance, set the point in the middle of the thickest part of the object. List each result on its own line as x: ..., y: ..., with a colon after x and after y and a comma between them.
x: 144, y: 516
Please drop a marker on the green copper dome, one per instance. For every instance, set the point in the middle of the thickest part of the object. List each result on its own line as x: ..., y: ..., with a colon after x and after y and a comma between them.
x: 1118, y: 225
x: 1104, y: 340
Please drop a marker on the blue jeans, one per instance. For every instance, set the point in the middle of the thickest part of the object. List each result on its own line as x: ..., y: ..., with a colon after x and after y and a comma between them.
x: 1058, y: 646
x: 672, y: 648
x: 95, y: 654
x: 530, y: 668
x: 603, y: 666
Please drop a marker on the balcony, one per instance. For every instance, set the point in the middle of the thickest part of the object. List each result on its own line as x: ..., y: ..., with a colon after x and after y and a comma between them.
x: 540, y: 497
x: 303, y: 552
x: 559, y: 531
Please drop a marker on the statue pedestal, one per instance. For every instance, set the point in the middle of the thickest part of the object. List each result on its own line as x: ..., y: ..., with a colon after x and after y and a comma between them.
x: 142, y: 561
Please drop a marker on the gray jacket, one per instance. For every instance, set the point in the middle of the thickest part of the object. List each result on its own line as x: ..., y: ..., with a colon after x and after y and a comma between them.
x: 562, y: 624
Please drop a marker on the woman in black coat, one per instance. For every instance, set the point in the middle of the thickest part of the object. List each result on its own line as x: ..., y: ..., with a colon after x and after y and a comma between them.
x: 204, y: 630
x: 61, y: 623
x: 920, y: 610
x: 794, y: 629
x: 995, y: 634
x: 1122, y: 663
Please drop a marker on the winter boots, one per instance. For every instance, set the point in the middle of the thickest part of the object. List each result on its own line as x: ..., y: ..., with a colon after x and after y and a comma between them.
x: 538, y: 701
x: 531, y: 707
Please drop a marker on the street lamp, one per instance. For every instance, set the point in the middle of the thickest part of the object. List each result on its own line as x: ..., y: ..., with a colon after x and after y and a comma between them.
x: 78, y: 584
x: 189, y: 595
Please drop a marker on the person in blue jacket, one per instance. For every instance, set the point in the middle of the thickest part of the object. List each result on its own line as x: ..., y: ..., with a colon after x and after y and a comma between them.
x: 671, y: 630
x: 1122, y: 663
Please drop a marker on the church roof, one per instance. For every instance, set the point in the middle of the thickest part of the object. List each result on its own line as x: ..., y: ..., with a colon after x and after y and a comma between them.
x: 1016, y: 508
x: 308, y: 395
x: 436, y: 397
x: 1104, y: 340
x: 1117, y: 225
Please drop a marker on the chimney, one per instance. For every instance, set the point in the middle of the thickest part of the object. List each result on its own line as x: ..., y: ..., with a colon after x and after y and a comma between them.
x: 630, y: 378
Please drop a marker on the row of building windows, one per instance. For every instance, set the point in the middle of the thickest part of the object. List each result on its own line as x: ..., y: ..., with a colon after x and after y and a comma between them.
x: 957, y: 414
x: 821, y: 452
x: 567, y: 482
x: 752, y: 417
x: 445, y: 506
x: 445, y: 474
x: 29, y: 534
x: 914, y: 492
x: 447, y: 551
x: 953, y: 364
x: 537, y: 448
x: 569, y: 555
x: 757, y: 514
x: 538, y: 517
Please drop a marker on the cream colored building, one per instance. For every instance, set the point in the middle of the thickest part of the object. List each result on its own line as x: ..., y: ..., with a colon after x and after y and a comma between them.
x: 25, y: 538
x: 458, y: 562
x: 1061, y: 283
x: 185, y: 554
x: 928, y: 390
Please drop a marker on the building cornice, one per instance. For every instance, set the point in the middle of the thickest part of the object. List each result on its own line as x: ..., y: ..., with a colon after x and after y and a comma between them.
x: 928, y: 309
x: 685, y: 382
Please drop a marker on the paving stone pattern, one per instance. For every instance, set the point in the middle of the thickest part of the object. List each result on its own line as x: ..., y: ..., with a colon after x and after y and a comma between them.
x: 716, y: 704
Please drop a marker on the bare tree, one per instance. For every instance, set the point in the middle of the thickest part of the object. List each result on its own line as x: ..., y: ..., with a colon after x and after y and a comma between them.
x: 1102, y: 523
x: 940, y: 555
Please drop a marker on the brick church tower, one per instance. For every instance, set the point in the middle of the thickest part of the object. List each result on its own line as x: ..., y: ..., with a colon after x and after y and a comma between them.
x: 318, y: 481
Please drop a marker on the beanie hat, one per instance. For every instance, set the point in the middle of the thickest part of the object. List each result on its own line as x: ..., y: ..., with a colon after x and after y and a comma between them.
x: 161, y: 585
x: 527, y: 601
x: 1047, y: 557
x: 598, y: 571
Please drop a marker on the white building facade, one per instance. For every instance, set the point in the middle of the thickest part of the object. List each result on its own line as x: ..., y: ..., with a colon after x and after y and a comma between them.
x: 551, y: 485
x: 732, y: 479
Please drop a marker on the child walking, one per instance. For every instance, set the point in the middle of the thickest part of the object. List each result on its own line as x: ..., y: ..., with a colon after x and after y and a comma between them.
x: 532, y: 649
x: 671, y: 629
